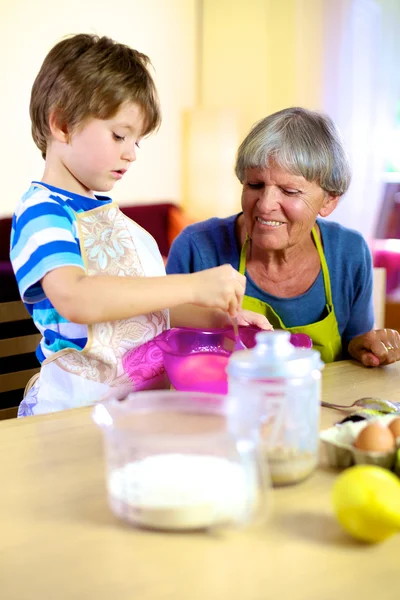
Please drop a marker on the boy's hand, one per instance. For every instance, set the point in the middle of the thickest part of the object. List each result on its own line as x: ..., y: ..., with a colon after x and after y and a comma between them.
x: 248, y: 317
x: 221, y: 287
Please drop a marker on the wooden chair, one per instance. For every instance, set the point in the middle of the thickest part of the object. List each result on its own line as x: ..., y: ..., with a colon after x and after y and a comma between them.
x: 392, y: 314
x: 379, y: 296
x: 18, y: 363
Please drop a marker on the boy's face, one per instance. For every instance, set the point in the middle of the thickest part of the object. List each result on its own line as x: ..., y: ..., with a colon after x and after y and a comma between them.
x: 100, y: 151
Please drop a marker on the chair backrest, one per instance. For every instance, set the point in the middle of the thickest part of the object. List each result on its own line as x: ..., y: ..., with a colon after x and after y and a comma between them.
x: 18, y: 363
x: 379, y: 296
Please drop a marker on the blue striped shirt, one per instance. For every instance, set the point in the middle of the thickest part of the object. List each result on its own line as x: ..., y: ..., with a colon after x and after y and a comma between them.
x: 44, y: 237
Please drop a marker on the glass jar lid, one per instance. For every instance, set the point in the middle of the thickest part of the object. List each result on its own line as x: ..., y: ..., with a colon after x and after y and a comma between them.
x: 274, y: 356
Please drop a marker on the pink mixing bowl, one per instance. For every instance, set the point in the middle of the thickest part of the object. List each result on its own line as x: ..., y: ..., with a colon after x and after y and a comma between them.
x: 196, y: 360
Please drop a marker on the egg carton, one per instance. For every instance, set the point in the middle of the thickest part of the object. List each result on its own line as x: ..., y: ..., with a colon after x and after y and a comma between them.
x: 339, y: 444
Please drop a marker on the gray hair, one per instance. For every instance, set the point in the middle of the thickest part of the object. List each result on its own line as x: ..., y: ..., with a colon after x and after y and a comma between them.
x: 301, y: 141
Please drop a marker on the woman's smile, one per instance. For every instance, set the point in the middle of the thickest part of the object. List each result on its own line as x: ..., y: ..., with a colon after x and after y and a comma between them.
x: 269, y: 223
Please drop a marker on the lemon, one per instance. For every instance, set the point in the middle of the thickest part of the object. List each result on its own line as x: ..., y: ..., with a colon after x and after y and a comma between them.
x: 366, y: 501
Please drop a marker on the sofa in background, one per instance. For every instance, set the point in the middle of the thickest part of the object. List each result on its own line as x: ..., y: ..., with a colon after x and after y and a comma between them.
x: 19, y: 336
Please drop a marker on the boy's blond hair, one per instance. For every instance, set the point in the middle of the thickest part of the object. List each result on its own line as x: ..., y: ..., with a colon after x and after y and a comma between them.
x: 87, y: 76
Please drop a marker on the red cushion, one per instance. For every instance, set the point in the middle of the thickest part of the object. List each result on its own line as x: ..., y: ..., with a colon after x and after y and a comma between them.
x: 386, y: 253
x: 5, y: 232
x: 155, y: 219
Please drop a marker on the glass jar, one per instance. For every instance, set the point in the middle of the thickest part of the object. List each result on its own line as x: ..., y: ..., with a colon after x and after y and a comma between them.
x: 173, y: 464
x: 278, y: 387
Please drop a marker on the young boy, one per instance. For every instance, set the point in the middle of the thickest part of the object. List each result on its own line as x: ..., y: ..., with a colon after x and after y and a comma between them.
x: 94, y: 281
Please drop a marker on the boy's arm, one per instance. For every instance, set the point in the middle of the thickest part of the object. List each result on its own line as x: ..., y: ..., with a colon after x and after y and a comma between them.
x: 94, y: 299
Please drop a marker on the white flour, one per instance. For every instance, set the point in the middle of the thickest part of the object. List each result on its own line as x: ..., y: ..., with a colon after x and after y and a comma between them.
x: 181, y: 491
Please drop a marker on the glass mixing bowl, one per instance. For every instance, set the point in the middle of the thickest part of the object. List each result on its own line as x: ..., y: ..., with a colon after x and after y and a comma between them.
x: 173, y: 462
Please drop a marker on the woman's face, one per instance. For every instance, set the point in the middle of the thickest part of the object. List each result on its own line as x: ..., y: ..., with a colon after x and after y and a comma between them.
x: 280, y: 208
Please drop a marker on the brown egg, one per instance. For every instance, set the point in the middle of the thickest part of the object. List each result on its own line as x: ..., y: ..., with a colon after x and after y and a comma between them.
x: 394, y: 427
x: 375, y: 438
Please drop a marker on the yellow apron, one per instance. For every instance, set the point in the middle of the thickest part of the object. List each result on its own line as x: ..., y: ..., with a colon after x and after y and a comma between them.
x: 325, y: 333
x: 111, y: 244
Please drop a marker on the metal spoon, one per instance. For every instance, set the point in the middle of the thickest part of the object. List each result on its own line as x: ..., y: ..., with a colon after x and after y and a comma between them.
x: 384, y: 406
x: 238, y: 342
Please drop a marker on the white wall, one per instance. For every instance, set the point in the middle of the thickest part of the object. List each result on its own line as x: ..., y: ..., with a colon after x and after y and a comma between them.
x: 361, y: 91
x: 163, y: 29
x: 336, y: 56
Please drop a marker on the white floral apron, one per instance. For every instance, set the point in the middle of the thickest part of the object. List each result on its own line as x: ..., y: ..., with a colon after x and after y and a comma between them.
x: 111, y: 244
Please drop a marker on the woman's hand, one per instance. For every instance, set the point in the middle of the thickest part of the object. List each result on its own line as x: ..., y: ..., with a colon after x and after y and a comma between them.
x: 376, y: 347
x: 248, y: 317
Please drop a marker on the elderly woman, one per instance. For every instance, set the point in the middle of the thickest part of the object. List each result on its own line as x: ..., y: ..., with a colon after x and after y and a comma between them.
x: 303, y: 273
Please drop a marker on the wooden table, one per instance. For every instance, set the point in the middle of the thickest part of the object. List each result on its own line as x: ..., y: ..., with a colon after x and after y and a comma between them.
x: 58, y: 539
